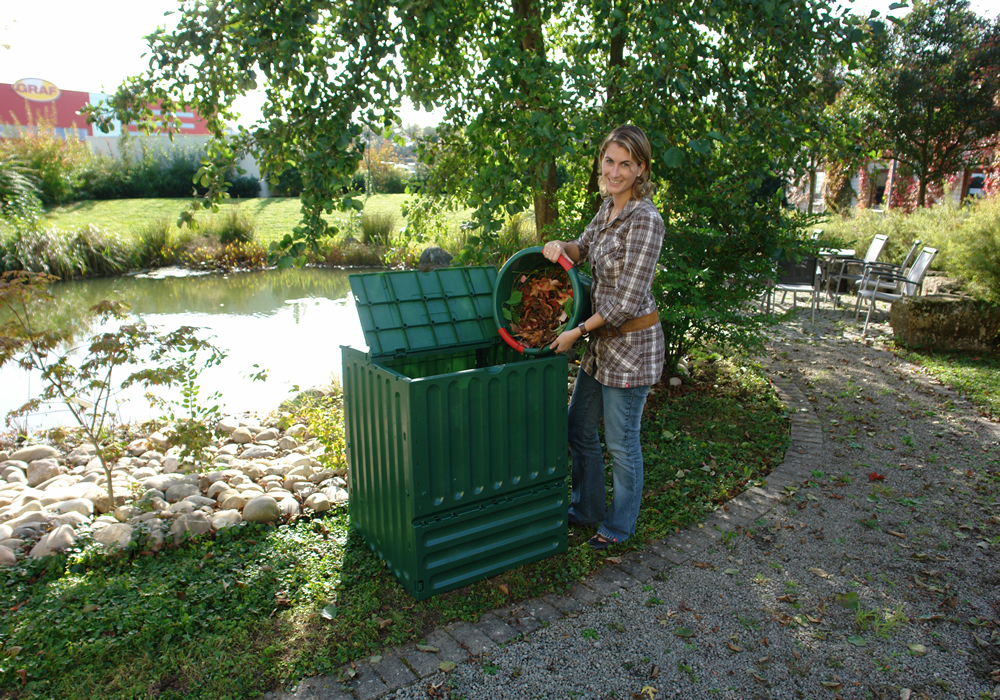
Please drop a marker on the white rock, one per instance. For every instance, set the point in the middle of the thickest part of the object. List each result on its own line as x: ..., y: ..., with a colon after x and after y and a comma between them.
x: 241, y: 436
x: 179, y: 492
x: 14, y: 475
x: 297, y: 431
x: 303, y: 470
x: 262, y: 509
x: 58, y: 540
x: 143, y: 473
x: 225, y: 518
x: 12, y: 543
x: 200, y: 501
x: 172, y: 465
x: 267, y: 434
x: 83, y: 506
x: 41, y: 470
x: 278, y: 494
x: 234, y: 501
x: 72, y: 518
x: 182, y: 507
x: 675, y: 381
x: 258, y: 452
x: 227, y: 425
x: 289, y: 506
x: 318, y: 502
x: 218, y: 487
x: 290, y: 481
x: 303, y: 489
x: 159, y: 441
x: 126, y: 512
x: 42, y: 516
x: 81, y: 455
x: 137, y: 447
x: 6, y: 531
x: 7, y: 556
x: 321, y: 475
x: 117, y: 535
x: 336, y: 494
x: 34, y: 452
x: 287, y: 443
x: 191, y: 524
x: 101, y: 501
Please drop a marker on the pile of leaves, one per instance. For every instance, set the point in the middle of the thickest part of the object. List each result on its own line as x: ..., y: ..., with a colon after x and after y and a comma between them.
x: 539, y: 306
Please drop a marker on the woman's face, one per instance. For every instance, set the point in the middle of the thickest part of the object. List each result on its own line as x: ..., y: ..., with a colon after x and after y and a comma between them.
x: 620, y: 170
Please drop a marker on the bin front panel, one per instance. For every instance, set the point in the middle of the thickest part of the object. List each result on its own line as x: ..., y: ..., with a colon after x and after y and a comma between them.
x: 481, y: 434
x: 460, y: 548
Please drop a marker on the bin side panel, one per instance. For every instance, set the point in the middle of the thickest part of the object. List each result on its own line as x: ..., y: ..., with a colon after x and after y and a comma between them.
x: 376, y: 434
x: 473, y: 543
x: 483, y: 434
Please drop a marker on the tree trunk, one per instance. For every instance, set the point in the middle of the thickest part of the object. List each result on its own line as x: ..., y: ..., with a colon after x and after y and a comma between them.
x: 616, y: 60
x: 890, y: 182
x: 544, y: 183
x: 812, y: 191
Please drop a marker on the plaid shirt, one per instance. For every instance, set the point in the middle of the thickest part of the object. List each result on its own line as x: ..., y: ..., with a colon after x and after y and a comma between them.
x: 623, y: 255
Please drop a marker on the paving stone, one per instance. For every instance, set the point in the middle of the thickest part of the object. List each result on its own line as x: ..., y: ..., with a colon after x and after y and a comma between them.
x: 586, y: 596
x: 671, y: 554
x: 496, y: 629
x: 470, y: 637
x: 684, y: 544
x: 634, y: 567
x: 322, y: 688
x: 615, y: 577
x: 542, y: 611
x: 653, y: 561
x: 518, y: 617
x: 704, y: 535
x: 393, y: 672
x: 565, y: 603
x: 422, y: 663
x: 448, y: 648
x: 744, y: 507
x: 366, y: 684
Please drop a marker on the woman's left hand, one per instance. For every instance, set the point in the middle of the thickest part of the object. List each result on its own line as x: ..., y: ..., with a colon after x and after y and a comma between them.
x: 565, y: 340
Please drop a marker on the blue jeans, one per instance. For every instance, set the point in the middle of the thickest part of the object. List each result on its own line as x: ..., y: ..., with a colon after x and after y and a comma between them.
x: 622, y: 413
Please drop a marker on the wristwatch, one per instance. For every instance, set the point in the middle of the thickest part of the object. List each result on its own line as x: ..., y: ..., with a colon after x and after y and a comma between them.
x: 583, y: 329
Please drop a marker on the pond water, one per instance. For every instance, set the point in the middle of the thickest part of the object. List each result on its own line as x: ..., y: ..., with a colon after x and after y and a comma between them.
x: 291, y: 322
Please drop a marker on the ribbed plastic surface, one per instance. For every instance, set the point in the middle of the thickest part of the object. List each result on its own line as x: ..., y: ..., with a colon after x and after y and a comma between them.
x: 408, y: 312
x: 458, y: 456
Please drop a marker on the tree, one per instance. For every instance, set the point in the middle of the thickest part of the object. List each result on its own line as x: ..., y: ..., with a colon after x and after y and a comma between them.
x: 927, y: 95
x: 528, y: 88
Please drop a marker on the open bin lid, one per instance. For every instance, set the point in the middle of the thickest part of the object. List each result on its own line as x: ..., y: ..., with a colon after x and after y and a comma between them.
x: 406, y: 312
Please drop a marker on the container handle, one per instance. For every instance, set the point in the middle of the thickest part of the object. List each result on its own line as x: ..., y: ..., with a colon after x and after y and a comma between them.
x: 565, y: 262
x: 510, y: 340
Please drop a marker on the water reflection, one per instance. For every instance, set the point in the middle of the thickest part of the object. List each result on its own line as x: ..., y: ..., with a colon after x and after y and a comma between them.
x: 291, y: 322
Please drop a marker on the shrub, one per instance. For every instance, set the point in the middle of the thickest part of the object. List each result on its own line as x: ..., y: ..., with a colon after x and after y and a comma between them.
x: 155, y: 243
x: 976, y: 253
x: 19, y: 201
x: 232, y: 226
x: 55, y: 162
x: 378, y: 228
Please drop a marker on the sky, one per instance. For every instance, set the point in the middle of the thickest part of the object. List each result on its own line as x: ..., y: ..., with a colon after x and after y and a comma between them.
x: 83, y: 48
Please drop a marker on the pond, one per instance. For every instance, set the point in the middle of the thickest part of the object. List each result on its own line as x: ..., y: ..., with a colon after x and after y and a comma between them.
x: 290, y: 322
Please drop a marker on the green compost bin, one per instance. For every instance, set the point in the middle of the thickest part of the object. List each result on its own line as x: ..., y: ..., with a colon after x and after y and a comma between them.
x: 528, y: 260
x: 456, y: 443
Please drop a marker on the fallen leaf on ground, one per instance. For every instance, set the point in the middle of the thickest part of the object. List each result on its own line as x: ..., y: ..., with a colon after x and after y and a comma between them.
x: 427, y: 648
x: 447, y: 666
x: 916, y: 649
x: 819, y: 572
x: 875, y: 476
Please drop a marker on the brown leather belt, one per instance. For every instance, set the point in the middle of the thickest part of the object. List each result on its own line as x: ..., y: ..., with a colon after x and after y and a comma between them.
x: 633, y: 324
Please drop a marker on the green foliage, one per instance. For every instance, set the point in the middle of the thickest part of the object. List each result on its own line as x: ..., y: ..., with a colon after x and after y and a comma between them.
x: 926, y: 96
x: 64, y: 254
x: 55, y: 162
x: 976, y: 375
x: 19, y: 202
x: 517, y: 84
x: 231, y: 226
x: 80, y: 377
x: 968, y: 238
x: 240, y: 613
x: 378, y: 228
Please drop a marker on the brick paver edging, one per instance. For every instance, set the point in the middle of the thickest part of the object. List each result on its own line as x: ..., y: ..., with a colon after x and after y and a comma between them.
x: 460, y: 642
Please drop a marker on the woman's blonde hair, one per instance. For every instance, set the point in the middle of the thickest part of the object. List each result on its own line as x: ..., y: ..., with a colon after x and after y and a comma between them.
x: 633, y: 140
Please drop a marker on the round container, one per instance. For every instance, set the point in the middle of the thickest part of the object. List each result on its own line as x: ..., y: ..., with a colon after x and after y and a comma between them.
x: 525, y: 261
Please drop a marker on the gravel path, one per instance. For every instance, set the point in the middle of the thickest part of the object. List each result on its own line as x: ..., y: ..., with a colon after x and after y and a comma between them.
x: 865, y: 567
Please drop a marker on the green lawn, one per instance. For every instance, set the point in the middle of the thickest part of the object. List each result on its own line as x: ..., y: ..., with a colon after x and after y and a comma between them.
x: 274, y: 217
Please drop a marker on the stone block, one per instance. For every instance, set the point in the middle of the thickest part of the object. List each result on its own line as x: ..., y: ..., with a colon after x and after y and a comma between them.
x: 945, y: 322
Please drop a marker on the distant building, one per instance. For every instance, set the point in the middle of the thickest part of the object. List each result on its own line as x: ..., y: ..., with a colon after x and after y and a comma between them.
x: 31, y: 101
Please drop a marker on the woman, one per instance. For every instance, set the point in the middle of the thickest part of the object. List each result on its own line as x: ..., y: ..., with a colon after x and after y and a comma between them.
x: 625, y: 354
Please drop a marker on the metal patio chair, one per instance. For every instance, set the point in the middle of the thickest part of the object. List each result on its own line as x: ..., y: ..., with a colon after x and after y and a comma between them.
x: 802, y: 277
x: 908, y: 285
x: 874, y: 250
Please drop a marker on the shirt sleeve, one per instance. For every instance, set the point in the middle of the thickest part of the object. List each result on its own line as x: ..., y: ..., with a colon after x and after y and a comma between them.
x: 643, y: 241
x: 587, y: 237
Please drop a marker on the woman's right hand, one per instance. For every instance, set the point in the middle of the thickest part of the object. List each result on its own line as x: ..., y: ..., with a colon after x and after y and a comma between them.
x: 553, y: 250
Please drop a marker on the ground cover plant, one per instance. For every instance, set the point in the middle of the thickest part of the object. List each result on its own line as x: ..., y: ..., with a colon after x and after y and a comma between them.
x: 256, y: 607
x: 974, y: 375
